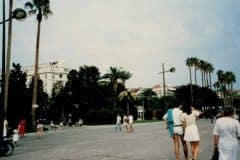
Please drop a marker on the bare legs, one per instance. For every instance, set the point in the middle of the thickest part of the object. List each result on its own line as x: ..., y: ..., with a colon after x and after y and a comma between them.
x: 176, y: 146
x: 195, y: 149
x: 184, y: 144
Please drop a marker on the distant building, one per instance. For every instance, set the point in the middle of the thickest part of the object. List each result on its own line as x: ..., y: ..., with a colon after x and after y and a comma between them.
x: 159, y: 90
x: 50, y: 73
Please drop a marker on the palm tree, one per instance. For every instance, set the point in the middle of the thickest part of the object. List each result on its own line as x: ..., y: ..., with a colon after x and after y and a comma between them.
x: 113, y: 75
x: 124, y: 75
x: 147, y: 97
x: 201, y: 66
x: 195, y: 62
x: 127, y: 96
x: 230, y: 79
x: 225, y: 84
x: 41, y: 8
x: 210, y: 71
x: 189, y: 63
x: 208, y: 65
x: 220, y: 84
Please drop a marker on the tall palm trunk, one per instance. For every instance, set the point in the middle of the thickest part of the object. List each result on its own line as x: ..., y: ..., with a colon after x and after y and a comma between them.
x: 195, y: 74
x: 232, y: 97
x: 191, y: 90
x: 35, y: 84
x: 115, y: 94
x: 205, y: 79
x: 210, y: 79
x: 207, y: 83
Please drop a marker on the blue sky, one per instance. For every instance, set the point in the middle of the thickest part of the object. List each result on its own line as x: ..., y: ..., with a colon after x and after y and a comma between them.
x: 137, y: 35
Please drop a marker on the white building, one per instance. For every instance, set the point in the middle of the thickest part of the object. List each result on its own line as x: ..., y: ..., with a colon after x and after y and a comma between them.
x: 159, y: 90
x: 50, y: 73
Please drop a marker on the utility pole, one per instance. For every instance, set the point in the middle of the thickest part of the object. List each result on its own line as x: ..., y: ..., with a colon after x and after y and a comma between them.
x: 172, y: 69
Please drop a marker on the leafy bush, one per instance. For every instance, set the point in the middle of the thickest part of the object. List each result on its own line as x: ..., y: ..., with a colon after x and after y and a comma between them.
x: 159, y: 113
x: 101, y: 116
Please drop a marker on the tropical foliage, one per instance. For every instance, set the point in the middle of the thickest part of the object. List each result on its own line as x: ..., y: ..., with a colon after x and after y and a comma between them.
x: 204, y: 67
x: 224, y: 86
x: 19, y: 101
x: 113, y: 75
x: 128, y: 98
x: 85, y: 95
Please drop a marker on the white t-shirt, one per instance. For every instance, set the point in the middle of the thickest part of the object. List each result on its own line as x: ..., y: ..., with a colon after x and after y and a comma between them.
x: 177, y: 113
x: 130, y: 119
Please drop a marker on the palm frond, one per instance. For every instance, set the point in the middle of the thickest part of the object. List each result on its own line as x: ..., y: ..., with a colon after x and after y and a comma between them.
x: 29, y: 5
x: 47, y: 11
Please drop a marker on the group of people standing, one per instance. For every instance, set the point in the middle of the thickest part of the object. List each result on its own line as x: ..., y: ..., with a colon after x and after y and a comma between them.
x: 181, y: 124
x: 126, y: 126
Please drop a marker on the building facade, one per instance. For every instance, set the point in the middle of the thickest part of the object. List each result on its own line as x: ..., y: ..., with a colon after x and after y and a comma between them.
x: 159, y: 90
x: 50, y: 73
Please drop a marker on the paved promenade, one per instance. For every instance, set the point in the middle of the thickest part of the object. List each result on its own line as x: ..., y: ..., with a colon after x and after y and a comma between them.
x: 150, y: 141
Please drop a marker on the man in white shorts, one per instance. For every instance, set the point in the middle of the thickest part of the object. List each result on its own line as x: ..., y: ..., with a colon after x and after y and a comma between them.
x: 177, y: 131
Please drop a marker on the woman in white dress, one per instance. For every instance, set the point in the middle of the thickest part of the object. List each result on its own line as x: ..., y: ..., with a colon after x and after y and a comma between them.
x: 191, y: 133
x: 226, y: 134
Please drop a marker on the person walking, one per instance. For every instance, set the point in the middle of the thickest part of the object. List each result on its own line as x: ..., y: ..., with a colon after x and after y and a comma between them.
x: 22, y: 127
x: 125, y: 124
x: 226, y: 133
x: 118, y: 127
x: 39, y: 129
x: 174, y: 125
x: 191, y: 133
x: 15, y: 137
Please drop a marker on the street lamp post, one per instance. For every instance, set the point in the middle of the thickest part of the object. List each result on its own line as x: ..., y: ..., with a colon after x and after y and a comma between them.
x: 172, y: 69
x: 3, y: 64
x: 18, y: 14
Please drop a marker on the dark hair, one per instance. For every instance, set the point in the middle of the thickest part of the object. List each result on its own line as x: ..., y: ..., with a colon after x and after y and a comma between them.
x: 187, y: 109
x: 228, y: 111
